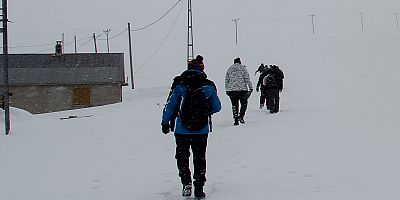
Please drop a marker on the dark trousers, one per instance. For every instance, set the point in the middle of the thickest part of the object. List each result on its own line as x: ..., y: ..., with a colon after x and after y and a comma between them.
x: 273, y: 100
x: 198, y: 143
x: 236, y: 97
x: 263, y: 98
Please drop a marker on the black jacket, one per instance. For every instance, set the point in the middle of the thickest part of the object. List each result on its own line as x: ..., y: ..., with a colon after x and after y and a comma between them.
x: 278, y: 74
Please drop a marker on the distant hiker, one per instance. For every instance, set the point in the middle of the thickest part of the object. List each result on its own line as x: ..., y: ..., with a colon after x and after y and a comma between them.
x: 273, y: 85
x: 263, y: 94
x: 238, y: 87
x: 195, y: 98
x: 262, y: 68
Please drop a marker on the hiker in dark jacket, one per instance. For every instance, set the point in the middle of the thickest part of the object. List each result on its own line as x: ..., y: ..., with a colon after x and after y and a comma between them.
x: 238, y: 87
x: 262, y: 68
x: 262, y: 90
x: 273, y: 85
x: 185, y: 138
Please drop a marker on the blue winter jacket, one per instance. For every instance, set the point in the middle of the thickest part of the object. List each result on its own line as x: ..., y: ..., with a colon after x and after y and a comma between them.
x: 180, y: 91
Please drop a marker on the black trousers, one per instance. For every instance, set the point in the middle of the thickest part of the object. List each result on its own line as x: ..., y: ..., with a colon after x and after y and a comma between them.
x: 198, y: 144
x: 273, y: 100
x: 236, y: 97
x: 263, y: 98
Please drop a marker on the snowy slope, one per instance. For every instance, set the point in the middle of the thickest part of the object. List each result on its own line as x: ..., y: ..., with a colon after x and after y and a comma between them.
x: 336, y: 138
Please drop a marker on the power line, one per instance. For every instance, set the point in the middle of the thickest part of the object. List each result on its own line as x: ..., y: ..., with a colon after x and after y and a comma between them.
x: 115, y: 36
x: 145, y: 27
x: 69, y: 43
x: 43, y: 50
x: 162, y: 43
x: 29, y: 46
x: 88, y: 40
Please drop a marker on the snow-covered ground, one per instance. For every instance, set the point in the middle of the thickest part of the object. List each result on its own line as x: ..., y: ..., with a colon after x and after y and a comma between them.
x: 336, y: 137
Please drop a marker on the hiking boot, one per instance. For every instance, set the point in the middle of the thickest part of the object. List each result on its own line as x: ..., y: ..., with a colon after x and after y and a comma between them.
x: 273, y: 111
x: 261, y: 106
x: 241, y: 120
x: 187, y: 190
x: 199, y: 194
x: 236, y: 123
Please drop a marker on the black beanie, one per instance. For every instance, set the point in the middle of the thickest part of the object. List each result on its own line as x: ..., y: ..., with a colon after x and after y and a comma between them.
x: 197, y: 62
x: 199, y: 58
x: 237, y: 60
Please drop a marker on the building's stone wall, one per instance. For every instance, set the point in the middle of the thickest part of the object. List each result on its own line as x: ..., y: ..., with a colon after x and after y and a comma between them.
x: 43, y: 99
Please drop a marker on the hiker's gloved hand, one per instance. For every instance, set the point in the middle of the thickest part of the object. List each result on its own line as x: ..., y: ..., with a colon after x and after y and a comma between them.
x: 257, y: 89
x: 248, y: 94
x: 164, y: 127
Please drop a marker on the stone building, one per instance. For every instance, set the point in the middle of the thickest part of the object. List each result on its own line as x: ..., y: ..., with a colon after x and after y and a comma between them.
x: 42, y: 83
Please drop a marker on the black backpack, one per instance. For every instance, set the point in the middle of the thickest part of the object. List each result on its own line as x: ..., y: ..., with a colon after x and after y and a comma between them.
x: 270, y: 80
x: 196, y: 107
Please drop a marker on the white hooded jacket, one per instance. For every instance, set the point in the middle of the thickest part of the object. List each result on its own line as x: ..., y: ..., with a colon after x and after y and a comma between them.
x: 237, y: 78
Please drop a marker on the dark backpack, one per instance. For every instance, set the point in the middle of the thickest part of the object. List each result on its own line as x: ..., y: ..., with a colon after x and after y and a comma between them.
x: 270, y: 80
x: 195, y: 109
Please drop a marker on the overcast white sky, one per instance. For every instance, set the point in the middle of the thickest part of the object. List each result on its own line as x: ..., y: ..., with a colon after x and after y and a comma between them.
x: 44, y: 21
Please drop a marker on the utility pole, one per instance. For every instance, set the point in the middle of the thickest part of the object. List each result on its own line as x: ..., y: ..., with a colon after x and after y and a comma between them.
x: 236, y: 29
x: 312, y: 22
x: 397, y: 19
x: 190, y: 54
x: 76, y: 50
x: 62, y: 43
x: 362, y: 20
x: 6, y: 94
x: 130, y: 55
x: 107, y: 31
x: 95, y: 43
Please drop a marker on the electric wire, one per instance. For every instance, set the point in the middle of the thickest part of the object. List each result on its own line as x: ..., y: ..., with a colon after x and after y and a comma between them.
x: 145, y: 27
x: 86, y: 42
x: 43, y: 50
x: 162, y: 43
x: 29, y: 46
x: 67, y: 44
x: 115, y: 36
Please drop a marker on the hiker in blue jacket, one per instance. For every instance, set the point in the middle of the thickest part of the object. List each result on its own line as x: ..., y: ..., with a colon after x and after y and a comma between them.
x: 194, y: 139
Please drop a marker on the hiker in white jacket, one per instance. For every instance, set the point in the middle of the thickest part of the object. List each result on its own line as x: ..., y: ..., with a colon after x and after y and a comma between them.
x: 238, y: 87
